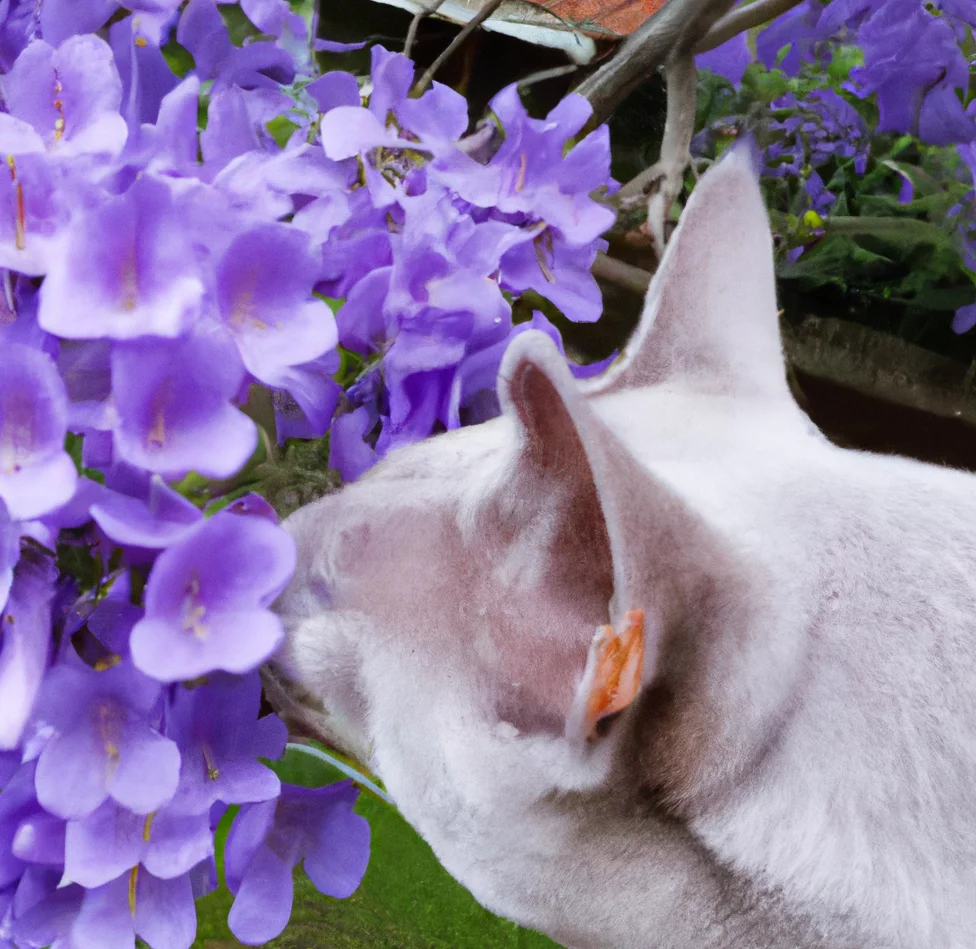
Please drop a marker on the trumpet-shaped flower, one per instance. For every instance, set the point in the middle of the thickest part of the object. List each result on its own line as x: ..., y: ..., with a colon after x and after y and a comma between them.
x: 208, y: 596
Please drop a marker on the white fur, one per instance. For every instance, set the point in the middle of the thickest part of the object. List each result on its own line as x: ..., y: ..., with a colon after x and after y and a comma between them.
x: 800, y: 770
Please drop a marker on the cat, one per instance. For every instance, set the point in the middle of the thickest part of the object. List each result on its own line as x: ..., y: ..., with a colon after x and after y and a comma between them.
x: 649, y: 661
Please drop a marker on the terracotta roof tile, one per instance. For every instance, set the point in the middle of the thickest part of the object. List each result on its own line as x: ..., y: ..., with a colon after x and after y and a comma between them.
x: 600, y: 16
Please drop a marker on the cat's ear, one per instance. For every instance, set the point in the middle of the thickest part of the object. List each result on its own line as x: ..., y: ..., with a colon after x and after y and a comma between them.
x: 597, y: 521
x: 710, y: 319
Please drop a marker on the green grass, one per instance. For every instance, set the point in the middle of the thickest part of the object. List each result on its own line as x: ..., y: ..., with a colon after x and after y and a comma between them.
x: 406, y: 901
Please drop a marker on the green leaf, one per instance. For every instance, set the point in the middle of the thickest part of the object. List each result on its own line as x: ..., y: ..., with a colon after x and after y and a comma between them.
x: 77, y: 560
x: 178, y: 57
x: 281, y: 129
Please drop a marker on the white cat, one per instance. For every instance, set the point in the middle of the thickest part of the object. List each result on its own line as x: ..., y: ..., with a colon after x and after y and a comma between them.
x: 796, y: 766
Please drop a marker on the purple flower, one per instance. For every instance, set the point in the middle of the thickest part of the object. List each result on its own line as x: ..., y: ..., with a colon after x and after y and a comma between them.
x: 729, y: 60
x: 220, y: 735
x: 25, y: 637
x: 125, y: 270
x: 34, y: 209
x: 912, y: 61
x: 264, y: 298
x: 529, y: 174
x: 799, y: 29
x: 149, y: 514
x: 964, y: 319
x: 9, y: 553
x: 17, y: 802
x: 36, y: 474
x: 349, y: 453
x: 145, y: 74
x: 136, y: 904
x: 203, y: 33
x: 334, y: 89
x: 175, y: 413
x: 314, y: 825
x: 104, y: 742
x: 111, y: 840
x: 208, y: 596
x: 557, y: 271
x: 69, y: 95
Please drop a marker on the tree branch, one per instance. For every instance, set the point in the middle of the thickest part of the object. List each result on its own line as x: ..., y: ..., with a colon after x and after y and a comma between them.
x: 430, y: 8
x: 674, y: 29
x: 420, y: 86
x: 745, y: 18
x: 669, y: 171
x: 621, y: 274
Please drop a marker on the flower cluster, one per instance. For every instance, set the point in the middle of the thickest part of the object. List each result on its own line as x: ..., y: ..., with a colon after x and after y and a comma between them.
x: 173, y: 243
x: 430, y: 251
x: 911, y: 64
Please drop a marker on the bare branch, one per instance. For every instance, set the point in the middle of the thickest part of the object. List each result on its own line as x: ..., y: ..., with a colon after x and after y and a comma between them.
x: 666, y: 175
x: 429, y: 9
x: 745, y: 18
x: 675, y: 28
x: 544, y: 75
x: 621, y: 274
x: 420, y: 86
x: 682, y: 80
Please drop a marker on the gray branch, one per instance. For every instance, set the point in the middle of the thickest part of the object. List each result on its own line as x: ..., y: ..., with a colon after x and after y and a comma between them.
x: 429, y: 9
x: 621, y: 274
x: 745, y: 18
x: 675, y: 29
x: 420, y: 86
x: 662, y: 181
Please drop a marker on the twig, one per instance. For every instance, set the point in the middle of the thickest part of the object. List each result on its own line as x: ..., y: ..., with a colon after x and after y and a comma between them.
x: 745, y: 18
x: 420, y: 86
x: 621, y: 274
x: 426, y: 11
x: 674, y: 29
x: 545, y: 74
x: 682, y: 79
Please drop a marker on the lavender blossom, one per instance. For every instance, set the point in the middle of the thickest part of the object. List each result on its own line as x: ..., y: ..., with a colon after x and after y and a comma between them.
x: 264, y: 298
x: 221, y: 737
x: 130, y: 263
x: 69, y: 95
x: 312, y: 826
x: 104, y: 743
x: 36, y: 474
x: 174, y: 404
x: 25, y: 637
x: 207, y: 600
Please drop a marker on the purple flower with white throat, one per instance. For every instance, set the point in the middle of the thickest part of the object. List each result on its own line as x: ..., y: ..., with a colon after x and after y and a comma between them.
x: 104, y: 742
x: 126, y: 269
x: 208, y: 599
x: 69, y: 95
x: 36, y: 473
x: 34, y: 210
x: 313, y: 826
x: 174, y: 404
x: 264, y: 299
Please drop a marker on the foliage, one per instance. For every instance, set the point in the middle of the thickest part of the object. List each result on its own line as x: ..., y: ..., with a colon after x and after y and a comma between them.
x: 863, y: 111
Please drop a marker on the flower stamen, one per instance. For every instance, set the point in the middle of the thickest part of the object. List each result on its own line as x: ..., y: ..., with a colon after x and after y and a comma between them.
x: 20, y: 223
